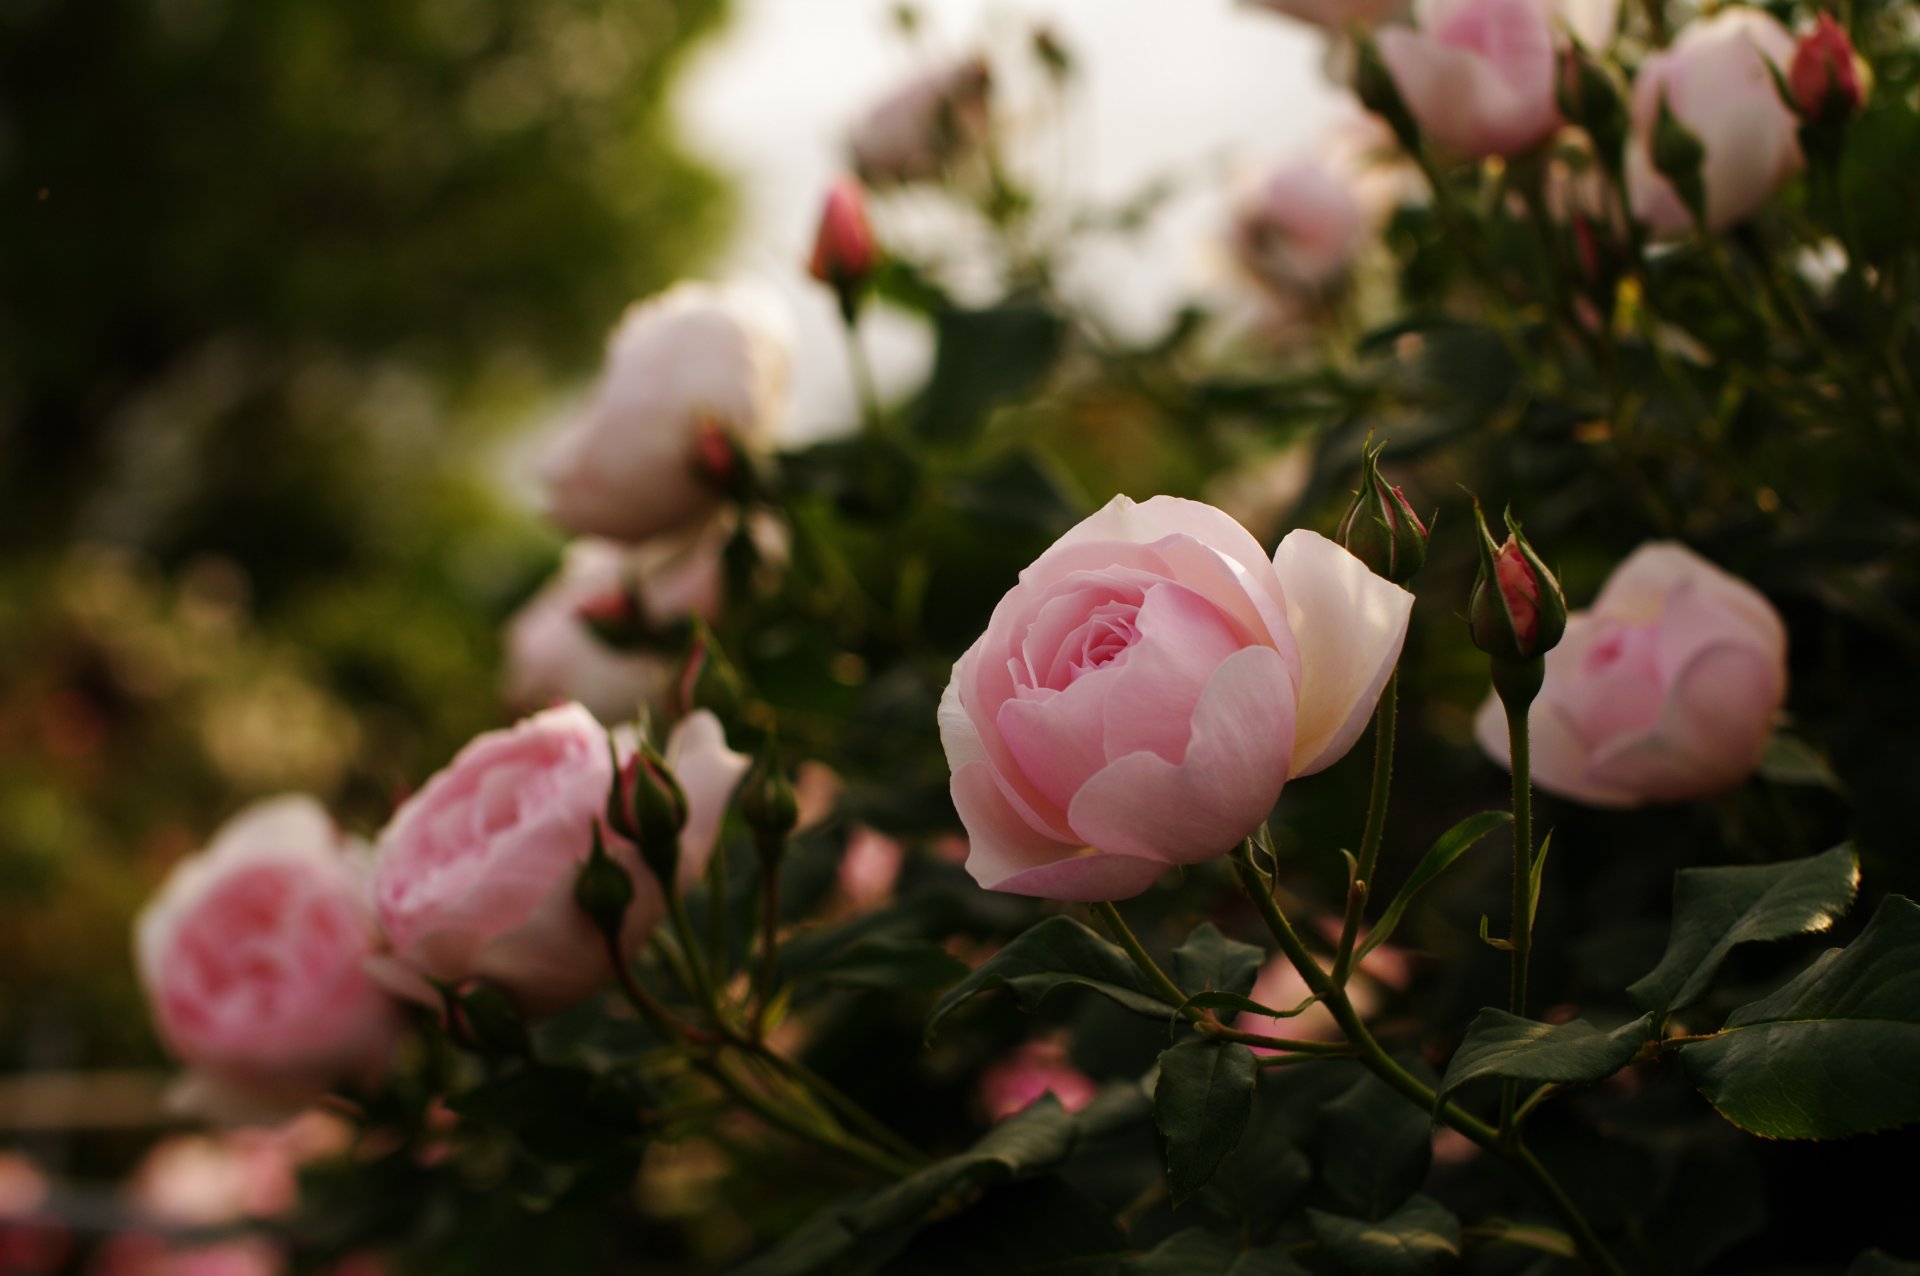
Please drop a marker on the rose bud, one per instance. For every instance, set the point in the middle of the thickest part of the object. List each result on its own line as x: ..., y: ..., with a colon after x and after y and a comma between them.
x: 1142, y: 694
x: 642, y: 458
x: 1380, y: 528
x: 475, y: 874
x: 1477, y: 75
x: 916, y: 132
x: 556, y: 650
x: 252, y: 957
x: 1713, y: 87
x: 1827, y: 77
x: 1663, y: 691
x: 845, y: 254
x: 1517, y: 612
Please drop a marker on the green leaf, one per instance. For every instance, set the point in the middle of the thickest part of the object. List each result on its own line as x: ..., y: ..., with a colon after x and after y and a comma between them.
x: 1834, y: 1051
x: 1409, y: 1242
x: 1198, y: 1250
x: 1790, y: 760
x: 1500, y: 1045
x: 892, y: 964
x: 1877, y: 1262
x: 1534, y: 876
x: 1210, y: 962
x: 1234, y: 1001
x: 1533, y: 1236
x: 1715, y: 909
x: 1453, y: 843
x: 985, y: 357
x: 1201, y: 1104
x: 1375, y: 1147
x: 1057, y: 953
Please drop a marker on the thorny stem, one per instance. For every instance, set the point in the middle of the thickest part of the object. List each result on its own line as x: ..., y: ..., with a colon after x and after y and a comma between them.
x: 1144, y: 960
x: 1377, y: 1061
x: 1521, y: 935
x: 1374, y: 830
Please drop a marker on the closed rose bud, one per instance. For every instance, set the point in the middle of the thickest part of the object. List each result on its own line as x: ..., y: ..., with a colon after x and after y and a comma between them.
x: 252, y: 957
x: 1663, y: 691
x: 1142, y: 694
x: 927, y: 124
x: 1381, y: 528
x: 845, y: 254
x: 692, y: 377
x: 1713, y: 89
x: 1517, y: 611
x: 1477, y: 76
x: 1826, y: 75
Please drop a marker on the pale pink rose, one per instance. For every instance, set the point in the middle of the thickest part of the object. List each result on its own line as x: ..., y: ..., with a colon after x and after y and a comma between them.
x: 1299, y: 229
x: 1335, y: 15
x: 252, y: 957
x: 475, y: 873
x: 1141, y: 696
x: 139, y: 1254
x: 923, y: 126
x: 1477, y: 75
x: 868, y: 869
x: 553, y: 653
x: 695, y: 366
x: 1280, y: 986
x: 1717, y: 82
x: 1017, y: 1082
x: 200, y: 1180
x: 1664, y: 691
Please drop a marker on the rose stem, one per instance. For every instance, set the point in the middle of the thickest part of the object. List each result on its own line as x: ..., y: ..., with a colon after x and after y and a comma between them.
x: 1375, y: 829
x: 1521, y: 933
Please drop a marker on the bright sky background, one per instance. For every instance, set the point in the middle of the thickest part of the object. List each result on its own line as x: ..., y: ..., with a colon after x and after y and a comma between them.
x: 1205, y: 87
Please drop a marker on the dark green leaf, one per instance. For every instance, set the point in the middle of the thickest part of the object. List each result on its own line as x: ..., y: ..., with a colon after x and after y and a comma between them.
x: 1500, y: 1045
x: 1038, y: 1228
x: 1201, y: 1104
x: 1197, y: 1250
x: 1715, y: 909
x: 1876, y: 1262
x: 1452, y: 844
x: 1791, y: 760
x: 1533, y: 1236
x: 1375, y: 1147
x: 1234, y: 1001
x: 893, y: 963
x: 985, y: 357
x: 1057, y: 953
x: 1834, y: 1051
x: 1210, y: 962
x: 1409, y: 1242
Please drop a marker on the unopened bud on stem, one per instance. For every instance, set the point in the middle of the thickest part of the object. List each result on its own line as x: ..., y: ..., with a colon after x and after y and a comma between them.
x: 845, y: 253
x: 1517, y: 613
x: 1381, y: 528
x: 767, y: 800
x: 603, y: 890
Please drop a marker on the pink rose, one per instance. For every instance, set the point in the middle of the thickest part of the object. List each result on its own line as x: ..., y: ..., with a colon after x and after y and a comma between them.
x: 1664, y: 691
x: 1299, y: 230
x: 252, y: 957
x: 869, y: 867
x: 1477, y: 75
x: 1143, y: 693
x: 1281, y: 987
x: 475, y: 873
x: 1716, y: 81
x: 553, y: 653
x: 696, y: 365
x: 926, y: 124
x: 1017, y: 1082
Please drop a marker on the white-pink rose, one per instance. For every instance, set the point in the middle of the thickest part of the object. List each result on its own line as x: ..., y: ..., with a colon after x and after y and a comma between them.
x: 252, y: 955
x: 1038, y: 1068
x: 1300, y: 228
x: 1664, y: 691
x: 1141, y: 696
x: 475, y: 873
x: 1477, y: 75
x: 690, y: 374
x: 1717, y: 82
x: 920, y: 128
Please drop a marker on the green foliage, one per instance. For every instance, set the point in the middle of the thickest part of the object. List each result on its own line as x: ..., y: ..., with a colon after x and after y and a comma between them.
x: 1506, y: 1046
x: 1450, y: 846
x: 1375, y: 1148
x: 1415, y: 1239
x: 1208, y: 961
x: 1834, y: 1051
x: 1201, y: 1103
x: 986, y: 357
x: 1196, y: 1250
x: 1716, y: 909
x: 1058, y: 953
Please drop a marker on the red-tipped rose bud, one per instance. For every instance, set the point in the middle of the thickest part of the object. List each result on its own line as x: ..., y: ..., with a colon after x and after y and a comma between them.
x: 1826, y: 77
x: 708, y: 679
x: 1380, y: 528
x: 845, y: 254
x: 1517, y: 612
x: 655, y: 809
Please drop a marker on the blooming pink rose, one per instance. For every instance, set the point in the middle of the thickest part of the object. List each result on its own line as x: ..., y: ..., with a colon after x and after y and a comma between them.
x: 1664, y: 691
x: 1017, y: 1082
x: 252, y: 957
x: 1477, y: 75
x: 1716, y: 81
x: 1143, y: 693
x: 1299, y: 230
x: 553, y: 653
x: 475, y: 873
x: 932, y: 120
x: 696, y: 364
x: 868, y: 869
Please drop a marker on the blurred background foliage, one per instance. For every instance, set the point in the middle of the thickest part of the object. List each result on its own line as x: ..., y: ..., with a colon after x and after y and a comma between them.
x: 274, y: 281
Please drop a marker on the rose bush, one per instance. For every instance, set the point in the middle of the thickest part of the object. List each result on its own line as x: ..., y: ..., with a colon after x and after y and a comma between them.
x: 1664, y: 690
x: 474, y: 875
x: 1140, y: 697
x: 252, y: 957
